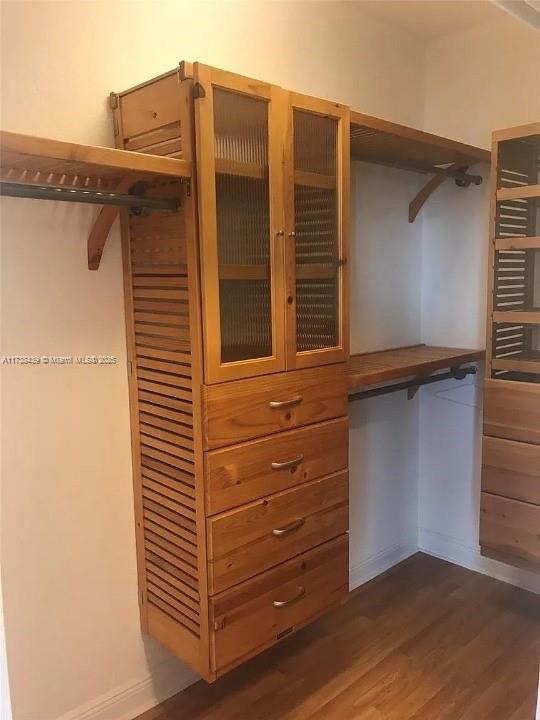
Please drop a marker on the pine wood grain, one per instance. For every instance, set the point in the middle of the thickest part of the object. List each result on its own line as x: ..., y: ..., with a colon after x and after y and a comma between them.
x: 417, y: 360
x: 426, y: 641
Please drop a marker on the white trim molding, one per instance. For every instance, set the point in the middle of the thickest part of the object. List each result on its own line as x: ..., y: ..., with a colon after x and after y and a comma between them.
x: 129, y: 700
x: 468, y: 556
x: 374, y: 565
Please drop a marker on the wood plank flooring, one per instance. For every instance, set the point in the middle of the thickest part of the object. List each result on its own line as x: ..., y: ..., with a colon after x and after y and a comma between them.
x: 426, y: 641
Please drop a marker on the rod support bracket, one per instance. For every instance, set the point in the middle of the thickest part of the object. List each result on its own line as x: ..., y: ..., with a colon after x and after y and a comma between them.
x: 461, y: 177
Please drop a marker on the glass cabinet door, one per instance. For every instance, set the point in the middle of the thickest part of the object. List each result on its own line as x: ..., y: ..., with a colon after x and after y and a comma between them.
x: 317, y: 223
x: 241, y: 224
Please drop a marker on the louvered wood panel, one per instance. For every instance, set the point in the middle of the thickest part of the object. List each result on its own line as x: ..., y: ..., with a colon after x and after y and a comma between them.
x: 163, y: 326
x: 166, y: 444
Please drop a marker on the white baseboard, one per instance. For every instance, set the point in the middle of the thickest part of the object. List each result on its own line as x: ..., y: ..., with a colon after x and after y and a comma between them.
x: 376, y: 564
x: 133, y: 698
x: 448, y: 548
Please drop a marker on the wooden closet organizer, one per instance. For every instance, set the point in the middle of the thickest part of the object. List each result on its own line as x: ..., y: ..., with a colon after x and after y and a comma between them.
x: 236, y: 297
x: 510, y: 507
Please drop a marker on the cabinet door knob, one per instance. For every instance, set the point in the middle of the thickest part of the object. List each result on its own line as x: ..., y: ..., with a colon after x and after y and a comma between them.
x: 280, y: 232
x: 292, y: 234
x: 283, y: 603
x: 288, y: 463
x: 282, y: 404
x: 291, y: 527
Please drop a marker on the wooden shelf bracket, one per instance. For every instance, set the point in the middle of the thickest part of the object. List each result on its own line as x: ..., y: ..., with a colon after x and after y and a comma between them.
x: 459, y: 174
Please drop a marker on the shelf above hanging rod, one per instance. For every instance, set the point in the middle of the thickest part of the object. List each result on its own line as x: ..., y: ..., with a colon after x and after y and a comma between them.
x: 45, y: 169
x: 382, y: 142
x: 457, y: 373
x: 404, y: 362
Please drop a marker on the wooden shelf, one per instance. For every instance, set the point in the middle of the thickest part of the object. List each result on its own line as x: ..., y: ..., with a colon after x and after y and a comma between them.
x: 386, y: 143
x: 529, y: 363
x: 518, y: 243
x: 241, y: 169
x: 521, y: 317
x: 316, y: 180
x: 316, y: 271
x: 519, y: 193
x: 35, y: 167
x: 398, y: 363
x: 244, y: 272
x: 40, y: 161
x: 262, y: 272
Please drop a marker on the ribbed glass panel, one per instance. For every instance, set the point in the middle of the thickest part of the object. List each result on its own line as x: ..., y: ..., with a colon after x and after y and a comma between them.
x: 243, y: 225
x: 317, y: 231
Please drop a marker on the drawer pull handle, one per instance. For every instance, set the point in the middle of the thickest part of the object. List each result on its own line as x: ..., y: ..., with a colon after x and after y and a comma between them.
x: 291, y: 527
x: 288, y: 463
x: 283, y: 603
x: 282, y: 404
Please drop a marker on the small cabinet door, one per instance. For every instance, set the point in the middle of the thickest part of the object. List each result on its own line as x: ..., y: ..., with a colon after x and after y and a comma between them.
x: 240, y: 126
x: 317, y: 171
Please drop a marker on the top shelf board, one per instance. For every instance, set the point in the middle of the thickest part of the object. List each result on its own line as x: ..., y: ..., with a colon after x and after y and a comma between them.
x: 386, y: 143
x: 39, y: 161
x: 399, y: 363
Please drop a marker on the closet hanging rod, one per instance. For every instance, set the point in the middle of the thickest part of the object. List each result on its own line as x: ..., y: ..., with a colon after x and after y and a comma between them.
x: 97, y: 197
x: 454, y: 374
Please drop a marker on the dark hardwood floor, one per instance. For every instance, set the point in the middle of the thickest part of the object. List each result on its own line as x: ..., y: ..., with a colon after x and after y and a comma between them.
x: 426, y: 641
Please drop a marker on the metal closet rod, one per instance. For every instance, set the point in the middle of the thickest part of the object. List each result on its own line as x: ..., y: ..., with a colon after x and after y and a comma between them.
x: 81, y: 195
x: 453, y: 374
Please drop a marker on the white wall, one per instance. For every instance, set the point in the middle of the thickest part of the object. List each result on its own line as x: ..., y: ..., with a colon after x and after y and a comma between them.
x: 385, y: 313
x: 476, y: 81
x: 69, y: 583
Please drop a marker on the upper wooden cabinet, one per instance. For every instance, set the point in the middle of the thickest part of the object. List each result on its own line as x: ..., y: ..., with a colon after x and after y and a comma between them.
x: 273, y: 175
x: 317, y: 169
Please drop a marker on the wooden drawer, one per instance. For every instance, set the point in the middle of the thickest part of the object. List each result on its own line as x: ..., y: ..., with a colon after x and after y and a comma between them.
x: 251, y: 616
x: 511, y: 469
x: 255, y: 537
x: 242, y: 473
x: 512, y: 410
x: 150, y: 107
x: 237, y: 411
x: 510, y: 527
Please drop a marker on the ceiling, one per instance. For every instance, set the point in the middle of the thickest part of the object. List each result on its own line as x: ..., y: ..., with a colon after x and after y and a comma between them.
x: 431, y: 18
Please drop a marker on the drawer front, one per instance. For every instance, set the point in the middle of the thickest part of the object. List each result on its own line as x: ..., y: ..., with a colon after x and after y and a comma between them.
x: 512, y: 410
x: 250, y: 617
x: 510, y: 527
x: 242, y: 473
x: 247, y: 541
x: 237, y: 411
x: 511, y: 469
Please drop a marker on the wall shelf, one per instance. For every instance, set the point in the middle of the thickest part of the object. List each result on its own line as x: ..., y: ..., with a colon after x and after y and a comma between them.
x: 415, y: 361
x: 519, y: 193
x: 42, y: 168
x: 521, y: 317
x: 386, y: 143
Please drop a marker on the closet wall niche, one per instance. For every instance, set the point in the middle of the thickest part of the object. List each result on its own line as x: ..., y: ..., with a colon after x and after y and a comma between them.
x: 236, y: 278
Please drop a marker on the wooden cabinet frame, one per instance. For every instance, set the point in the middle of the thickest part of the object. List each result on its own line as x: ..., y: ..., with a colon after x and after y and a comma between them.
x: 208, y: 78
x: 341, y: 113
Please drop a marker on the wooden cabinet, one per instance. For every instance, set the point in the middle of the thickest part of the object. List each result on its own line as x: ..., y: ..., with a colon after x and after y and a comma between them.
x: 237, y: 339
x: 273, y: 177
x: 510, y: 505
x: 317, y: 159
